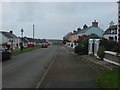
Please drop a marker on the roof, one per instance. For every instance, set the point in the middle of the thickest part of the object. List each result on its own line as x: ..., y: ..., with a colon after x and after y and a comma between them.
x: 27, y: 39
x: 114, y: 27
x: 8, y: 34
x: 84, y: 30
x: 24, y: 39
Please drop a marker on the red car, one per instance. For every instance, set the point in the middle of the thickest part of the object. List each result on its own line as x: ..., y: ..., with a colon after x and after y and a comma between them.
x: 44, y: 45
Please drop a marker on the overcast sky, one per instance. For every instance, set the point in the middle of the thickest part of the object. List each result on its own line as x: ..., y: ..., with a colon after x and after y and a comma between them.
x: 53, y: 20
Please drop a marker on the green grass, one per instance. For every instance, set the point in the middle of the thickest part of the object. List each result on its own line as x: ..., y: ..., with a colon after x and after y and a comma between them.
x: 109, y: 79
x: 16, y: 52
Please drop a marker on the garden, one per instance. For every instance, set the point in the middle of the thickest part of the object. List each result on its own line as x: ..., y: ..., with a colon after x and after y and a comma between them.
x: 109, y: 79
x: 16, y: 52
x: 82, y: 47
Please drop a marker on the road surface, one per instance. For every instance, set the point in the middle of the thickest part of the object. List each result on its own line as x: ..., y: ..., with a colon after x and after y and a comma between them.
x: 68, y: 71
x: 25, y: 70
x: 28, y: 70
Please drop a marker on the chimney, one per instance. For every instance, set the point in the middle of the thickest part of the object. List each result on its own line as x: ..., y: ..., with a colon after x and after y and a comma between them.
x: 74, y: 31
x: 111, y: 24
x: 95, y: 24
x: 78, y: 29
x: 11, y: 32
x: 85, y: 26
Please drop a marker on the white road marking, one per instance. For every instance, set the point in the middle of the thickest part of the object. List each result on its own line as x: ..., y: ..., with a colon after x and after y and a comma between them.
x: 41, y: 80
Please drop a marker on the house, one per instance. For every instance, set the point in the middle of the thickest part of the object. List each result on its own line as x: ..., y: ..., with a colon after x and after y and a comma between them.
x: 9, y: 38
x: 94, y: 29
x: 70, y: 39
x: 26, y: 41
x: 118, y: 29
x: 67, y: 36
x: 111, y: 32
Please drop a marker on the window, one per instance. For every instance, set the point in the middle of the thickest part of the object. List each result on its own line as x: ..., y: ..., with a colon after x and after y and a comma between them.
x: 111, y: 38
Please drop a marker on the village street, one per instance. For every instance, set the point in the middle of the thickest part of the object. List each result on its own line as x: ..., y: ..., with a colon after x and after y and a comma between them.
x: 28, y: 70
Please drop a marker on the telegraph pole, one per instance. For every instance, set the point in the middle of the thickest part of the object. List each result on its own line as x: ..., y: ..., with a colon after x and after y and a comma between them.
x: 22, y: 33
x: 33, y: 32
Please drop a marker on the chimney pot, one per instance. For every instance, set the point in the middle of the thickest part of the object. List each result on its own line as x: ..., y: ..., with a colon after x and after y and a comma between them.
x: 85, y: 26
x: 11, y: 32
x: 95, y: 24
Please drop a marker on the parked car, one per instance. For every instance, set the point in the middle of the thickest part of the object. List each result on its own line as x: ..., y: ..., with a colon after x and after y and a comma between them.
x: 44, y: 45
x: 4, y: 53
x: 30, y: 45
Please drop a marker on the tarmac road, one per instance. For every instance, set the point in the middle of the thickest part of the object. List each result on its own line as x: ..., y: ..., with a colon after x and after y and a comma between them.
x: 30, y: 70
x: 67, y: 71
x: 25, y: 70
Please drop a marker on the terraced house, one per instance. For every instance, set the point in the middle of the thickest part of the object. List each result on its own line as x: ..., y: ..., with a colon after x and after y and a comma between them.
x: 10, y: 39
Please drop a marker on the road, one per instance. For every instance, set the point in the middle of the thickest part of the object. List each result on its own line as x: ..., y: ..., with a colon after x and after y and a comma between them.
x: 68, y: 71
x: 28, y: 70
x: 25, y: 70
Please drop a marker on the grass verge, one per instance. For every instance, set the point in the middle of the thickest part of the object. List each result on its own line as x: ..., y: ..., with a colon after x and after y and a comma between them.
x: 16, y: 52
x: 109, y: 79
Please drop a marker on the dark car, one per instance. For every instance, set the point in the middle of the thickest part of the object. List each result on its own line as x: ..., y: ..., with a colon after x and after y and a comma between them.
x: 4, y: 53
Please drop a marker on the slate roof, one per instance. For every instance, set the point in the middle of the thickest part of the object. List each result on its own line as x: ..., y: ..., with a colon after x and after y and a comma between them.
x: 24, y: 39
x: 27, y: 39
x: 114, y: 27
x: 84, y: 30
x: 8, y: 34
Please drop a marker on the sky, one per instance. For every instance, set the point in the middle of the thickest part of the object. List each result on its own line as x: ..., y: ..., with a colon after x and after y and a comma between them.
x: 53, y: 20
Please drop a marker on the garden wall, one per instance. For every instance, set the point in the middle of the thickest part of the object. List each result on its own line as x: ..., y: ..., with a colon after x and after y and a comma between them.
x: 112, y: 58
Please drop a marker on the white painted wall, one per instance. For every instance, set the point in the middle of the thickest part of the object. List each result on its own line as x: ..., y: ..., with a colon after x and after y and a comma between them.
x: 3, y: 39
x: 110, y: 35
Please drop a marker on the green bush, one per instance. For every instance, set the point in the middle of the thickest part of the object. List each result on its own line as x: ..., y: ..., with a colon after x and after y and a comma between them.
x: 82, y: 47
x: 109, y: 45
x: 100, y: 52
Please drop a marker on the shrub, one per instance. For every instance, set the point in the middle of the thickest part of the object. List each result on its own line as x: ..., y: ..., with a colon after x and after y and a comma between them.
x: 82, y: 47
x: 117, y: 48
x: 100, y: 52
x: 109, y: 45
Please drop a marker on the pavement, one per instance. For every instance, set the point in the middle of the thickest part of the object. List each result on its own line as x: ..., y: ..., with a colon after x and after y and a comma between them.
x: 103, y: 65
x: 68, y: 71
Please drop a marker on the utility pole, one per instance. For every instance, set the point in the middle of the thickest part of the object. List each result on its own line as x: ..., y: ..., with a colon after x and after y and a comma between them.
x: 33, y: 33
x: 22, y: 33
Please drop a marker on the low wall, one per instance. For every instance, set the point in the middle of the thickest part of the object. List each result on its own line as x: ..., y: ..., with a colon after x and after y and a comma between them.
x: 112, y: 58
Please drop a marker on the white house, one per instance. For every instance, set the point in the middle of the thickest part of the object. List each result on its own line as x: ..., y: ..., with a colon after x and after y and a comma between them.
x: 10, y: 39
x: 111, y: 32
